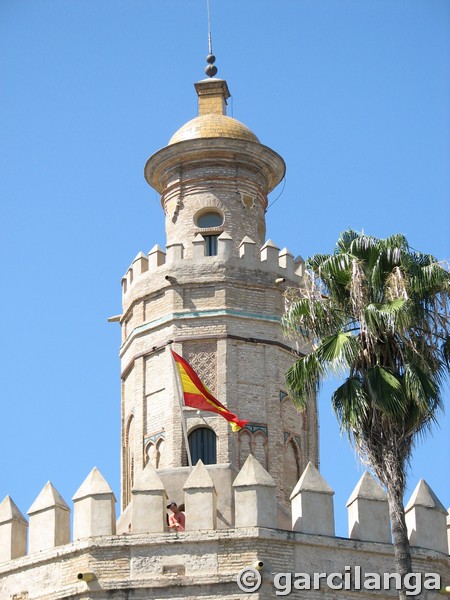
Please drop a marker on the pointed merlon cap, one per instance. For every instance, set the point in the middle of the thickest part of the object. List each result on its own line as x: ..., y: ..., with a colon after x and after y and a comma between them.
x: 368, y: 489
x: 148, y: 480
x: 48, y: 498
x: 199, y: 478
x: 270, y: 244
x: 9, y: 512
x: 139, y: 255
x: 94, y: 485
x: 311, y: 481
x: 253, y: 473
x: 423, y: 495
x: 247, y: 240
x: 156, y: 248
x: 286, y: 252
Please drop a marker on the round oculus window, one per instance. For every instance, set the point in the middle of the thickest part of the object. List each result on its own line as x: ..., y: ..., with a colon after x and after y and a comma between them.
x: 209, y: 219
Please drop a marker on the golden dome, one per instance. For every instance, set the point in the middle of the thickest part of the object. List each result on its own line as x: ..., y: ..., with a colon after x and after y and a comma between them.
x: 213, y: 126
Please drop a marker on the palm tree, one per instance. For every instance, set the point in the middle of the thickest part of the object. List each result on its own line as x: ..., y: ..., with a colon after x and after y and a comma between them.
x: 377, y: 313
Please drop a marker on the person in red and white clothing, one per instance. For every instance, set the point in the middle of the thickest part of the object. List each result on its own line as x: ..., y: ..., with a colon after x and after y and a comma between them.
x: 177, y: 520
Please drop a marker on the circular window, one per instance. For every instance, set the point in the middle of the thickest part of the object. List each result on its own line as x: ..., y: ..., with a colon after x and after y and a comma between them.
x: 209, y: 219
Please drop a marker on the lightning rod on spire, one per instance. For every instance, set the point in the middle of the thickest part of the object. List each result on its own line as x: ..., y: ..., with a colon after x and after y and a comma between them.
x: 210, y: 69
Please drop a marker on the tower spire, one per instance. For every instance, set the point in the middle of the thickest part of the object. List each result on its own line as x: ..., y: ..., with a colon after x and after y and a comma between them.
x: 210, y: 69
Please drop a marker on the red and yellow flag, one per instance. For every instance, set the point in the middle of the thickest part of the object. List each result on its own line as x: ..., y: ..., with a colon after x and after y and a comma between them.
x: 197, y: 395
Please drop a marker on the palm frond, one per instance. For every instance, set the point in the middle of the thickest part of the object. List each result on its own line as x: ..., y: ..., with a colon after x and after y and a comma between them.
x: 445, y: 349
x: 315, y: 261
x: 430, y: 279
x: 386, y: 392
x: 423, y: 390
x: 387, y: 317
x: 311, y: 318
x: 351, y: 405
x: 395, y: 241
x: 365, y: 248
x: 345, y: 239
x: 338, y: 351
x: 303, y: 378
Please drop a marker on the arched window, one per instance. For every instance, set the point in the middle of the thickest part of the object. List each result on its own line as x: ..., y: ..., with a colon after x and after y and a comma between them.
x: 202, y: 444
x: 129, y: 459
x: 209, y: 219
x: 291, y: 466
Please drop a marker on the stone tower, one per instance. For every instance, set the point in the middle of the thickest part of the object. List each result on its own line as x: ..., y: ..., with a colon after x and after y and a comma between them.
x: 216, y: 294
x: 216, y: 297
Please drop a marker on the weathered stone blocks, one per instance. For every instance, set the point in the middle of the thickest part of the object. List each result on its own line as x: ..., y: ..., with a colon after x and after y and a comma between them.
x: 254, y: 496
x: 426, y: 519
x: 148, y: 505
x: 94, y: 508
x: 200, y: 499
x: 368, y: 512
x: 49, y: 520
x: 13, y: 531
x: 312, y: 503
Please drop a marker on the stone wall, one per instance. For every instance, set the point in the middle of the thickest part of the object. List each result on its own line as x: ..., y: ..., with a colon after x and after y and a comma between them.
x: 203, y: 562
x: 223, y: 314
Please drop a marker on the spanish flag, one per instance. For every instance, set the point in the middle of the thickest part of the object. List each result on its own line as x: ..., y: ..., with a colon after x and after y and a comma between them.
x: 197, y: 395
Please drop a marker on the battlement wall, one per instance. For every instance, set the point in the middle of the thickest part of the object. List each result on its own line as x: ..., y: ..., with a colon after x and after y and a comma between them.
x: 198, y: 564
x: 279, y: 264
x: 255, y: 505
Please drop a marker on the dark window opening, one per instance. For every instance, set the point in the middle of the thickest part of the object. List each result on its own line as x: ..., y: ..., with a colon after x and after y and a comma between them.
x: 202, y: 444
x: 211, y: 245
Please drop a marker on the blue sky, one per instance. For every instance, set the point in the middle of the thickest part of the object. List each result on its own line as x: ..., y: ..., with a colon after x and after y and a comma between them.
x: 353, y: 94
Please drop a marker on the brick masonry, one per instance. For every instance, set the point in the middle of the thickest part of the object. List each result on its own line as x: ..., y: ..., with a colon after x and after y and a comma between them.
x: 233, y: 300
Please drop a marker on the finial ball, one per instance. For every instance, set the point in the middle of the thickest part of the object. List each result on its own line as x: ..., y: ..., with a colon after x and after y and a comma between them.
x: 211, y: 59
x: 211, y: 70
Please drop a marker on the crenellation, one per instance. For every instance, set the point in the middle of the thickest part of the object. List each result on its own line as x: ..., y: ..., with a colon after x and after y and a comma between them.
x: 287, y: 263
x: 255, y: 505
x: 156, y: 258
x: 269, y: 256
x: 255, y: 496
x: 13, y: 531
x: 49, y: 520
x: 312, y: 503
x: 140, y: 264
x: 426, y: 519
x: 94, y: 512
x: 148, y: 505
x: 198, y: 247
x: 225, y: 246
x: 299, y: 266
x: 368, y: 512
x: 130, y: 277
x: 200, y: 497
x: 247, y: 251
x: 279, y: 265
x: 175, y: 253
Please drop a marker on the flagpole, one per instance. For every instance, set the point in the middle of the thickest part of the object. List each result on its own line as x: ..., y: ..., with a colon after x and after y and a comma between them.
x: 183, y: 420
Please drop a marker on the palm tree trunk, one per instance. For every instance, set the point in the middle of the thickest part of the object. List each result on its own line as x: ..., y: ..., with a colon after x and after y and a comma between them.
x: 402, y: 551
